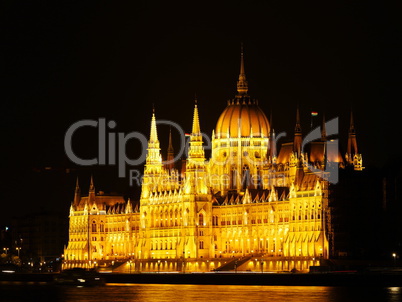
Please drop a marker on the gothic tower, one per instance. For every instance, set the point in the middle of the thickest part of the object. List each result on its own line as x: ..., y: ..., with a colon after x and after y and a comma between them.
x: 353, y: 157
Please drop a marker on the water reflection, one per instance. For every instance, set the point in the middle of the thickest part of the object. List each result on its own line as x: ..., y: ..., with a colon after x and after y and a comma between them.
x: 183, y: 293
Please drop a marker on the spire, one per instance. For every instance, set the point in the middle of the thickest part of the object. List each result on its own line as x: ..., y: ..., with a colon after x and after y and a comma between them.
x: 297, y: 142
x: 272, y: 150
x: 129, y: 208
x: 153, y: 155
x: 272, y: 141
x: 77, y: 194
x: 325, y: 146
x: 298, y: 126
x: 353, y: 157
x: 170, y: 146
x: 196, y: 150
x: 196, y: 136
x: 170, y: 152
x: 242, y: 85
x: 154, y: 134
x: 196, y: 122
x: 91, y: 185
x: 323, y: 129
x: 91, y: 194
x: 271, y: 123
x: 352, y: 143
x: 195, y: 167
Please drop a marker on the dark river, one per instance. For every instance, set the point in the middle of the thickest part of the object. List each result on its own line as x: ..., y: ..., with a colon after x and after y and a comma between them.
x: 169, y: 293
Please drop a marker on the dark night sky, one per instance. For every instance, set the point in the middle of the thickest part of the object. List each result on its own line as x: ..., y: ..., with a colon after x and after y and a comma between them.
x: 64, y: 61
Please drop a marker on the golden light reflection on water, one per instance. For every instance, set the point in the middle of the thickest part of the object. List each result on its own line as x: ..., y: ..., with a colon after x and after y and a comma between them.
x: 227, y: 293
x: 232, y: 293
x: 184, y: 293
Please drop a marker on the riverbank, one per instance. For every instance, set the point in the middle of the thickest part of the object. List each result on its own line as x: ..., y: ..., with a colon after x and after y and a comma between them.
x: 387, y: 279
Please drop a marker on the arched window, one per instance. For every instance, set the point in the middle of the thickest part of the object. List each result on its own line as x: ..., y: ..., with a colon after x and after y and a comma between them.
x: 201, y: 244
x: 94, y: 226
x: 200, y: 219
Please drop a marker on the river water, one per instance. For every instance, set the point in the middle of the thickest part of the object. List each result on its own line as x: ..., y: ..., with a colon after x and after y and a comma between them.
x: 11, y: 292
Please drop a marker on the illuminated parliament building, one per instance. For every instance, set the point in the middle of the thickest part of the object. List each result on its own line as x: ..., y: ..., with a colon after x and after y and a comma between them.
x: 249, y: 207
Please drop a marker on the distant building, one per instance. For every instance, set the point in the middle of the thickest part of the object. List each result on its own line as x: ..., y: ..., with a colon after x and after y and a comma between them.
x: 248, y: 206
x: 391, y: 225
x: 5, y: 239
x: 39, y: 237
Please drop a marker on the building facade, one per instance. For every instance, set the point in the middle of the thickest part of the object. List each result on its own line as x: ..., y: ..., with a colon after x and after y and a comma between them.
x: 248, y: 207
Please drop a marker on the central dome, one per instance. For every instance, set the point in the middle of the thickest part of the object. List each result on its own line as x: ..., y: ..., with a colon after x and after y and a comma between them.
x: 244, y: 119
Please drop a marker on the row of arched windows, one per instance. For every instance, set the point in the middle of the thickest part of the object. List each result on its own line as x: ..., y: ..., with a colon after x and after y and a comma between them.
x: 306, y: 216
x: 94, y: 228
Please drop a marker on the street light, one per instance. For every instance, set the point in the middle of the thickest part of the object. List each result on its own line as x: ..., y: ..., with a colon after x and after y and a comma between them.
x: 394, y: 256
x: 159, y: 264
x: 18, y: 251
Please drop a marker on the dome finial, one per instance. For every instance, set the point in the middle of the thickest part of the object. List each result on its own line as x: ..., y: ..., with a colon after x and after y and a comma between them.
x: 242, y: 85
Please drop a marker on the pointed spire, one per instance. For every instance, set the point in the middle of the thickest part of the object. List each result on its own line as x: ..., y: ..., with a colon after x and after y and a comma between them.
x: 154, y: 134
x: 352, y: 124
x: 323, y: 129
x: 242, y: 85
x: 91, y: 185
x: 298, y: 126
x: 196, y: 135
x: 129, y: 208
x: 353, y: 156
x: 272, y: 140
x: 272, y: 150
x: 242, y: 61
x: 297, y: 142
x: 196, y: 121
x: 77, y: 185
x: 352, y: 143
x: 77, y: 195
x: 170, y: 152
x: 91, y: 194
x: 247, y: 197
x: 153, y: 156
x: 195, y: 167
x: 170, y: 146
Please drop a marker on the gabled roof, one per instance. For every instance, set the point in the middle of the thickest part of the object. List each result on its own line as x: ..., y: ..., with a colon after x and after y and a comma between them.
x: 101, y: 201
